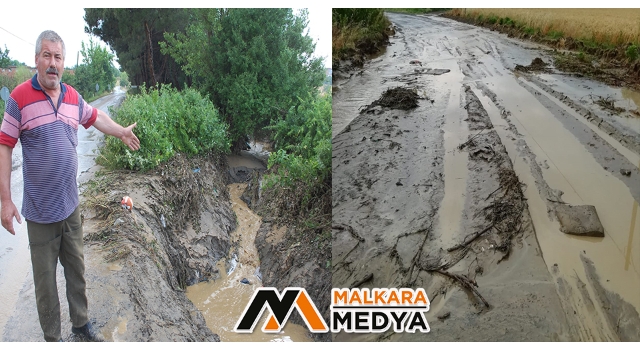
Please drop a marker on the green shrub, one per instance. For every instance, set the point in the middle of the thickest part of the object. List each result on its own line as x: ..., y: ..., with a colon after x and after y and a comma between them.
x: 632, y: 52
x: 303, y: 141
x: 555, y: 34
x: 168, y: 122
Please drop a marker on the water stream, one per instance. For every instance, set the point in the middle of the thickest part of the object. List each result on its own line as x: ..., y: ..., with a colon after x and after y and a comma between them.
x: 222, y: 301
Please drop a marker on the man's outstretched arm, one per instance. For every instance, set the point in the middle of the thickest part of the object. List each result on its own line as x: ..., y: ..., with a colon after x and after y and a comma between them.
x: 106, y: 125
x: 8, y: 209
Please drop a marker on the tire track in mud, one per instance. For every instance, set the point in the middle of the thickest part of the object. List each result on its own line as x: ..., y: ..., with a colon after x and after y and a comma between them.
x: 594, y: 321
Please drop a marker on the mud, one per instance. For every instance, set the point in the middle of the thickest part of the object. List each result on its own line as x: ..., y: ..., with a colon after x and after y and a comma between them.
x: 222, y: 301
x: 464, y: 192
x: 138, y: 263
x: 537, y: 65
x: 292, y: 254
x: 395, y: 98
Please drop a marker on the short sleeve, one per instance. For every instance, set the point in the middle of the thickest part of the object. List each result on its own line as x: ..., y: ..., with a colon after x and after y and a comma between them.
x: 11, y: 124
x: 88, y: 114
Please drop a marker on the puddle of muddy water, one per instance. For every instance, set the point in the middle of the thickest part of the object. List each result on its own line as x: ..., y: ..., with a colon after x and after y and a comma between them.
x: 455, y: 162
x: 587, y: 92
x: 222, y: 301
x: 583, y: 181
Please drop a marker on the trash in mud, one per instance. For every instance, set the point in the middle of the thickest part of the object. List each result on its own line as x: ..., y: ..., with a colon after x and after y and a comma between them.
x: 625, y: 172
x: 415, y: 62
x: 258, y: 273
x: 433, y: 71
x: 233, y: 264
x: 537, y: 65
x: 245, y: 281
x: 396, y: 98
x: 504, y: 214
x: 581, y: 220
x: 607, y: 103
x: 444, y: 316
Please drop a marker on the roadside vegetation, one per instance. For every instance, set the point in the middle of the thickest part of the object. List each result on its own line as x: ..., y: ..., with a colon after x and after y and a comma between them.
x: 357, y: 33
x: 605, y: 42
x: 300, y: 169
x: 96, y: 69
x: 169, y: 122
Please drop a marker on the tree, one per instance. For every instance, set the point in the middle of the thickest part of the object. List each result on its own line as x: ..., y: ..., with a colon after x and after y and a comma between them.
x: 96, y: 68
x: 124, y: 80
x: 5, y: 61
x: 134, y: 35
x: 255, y: 64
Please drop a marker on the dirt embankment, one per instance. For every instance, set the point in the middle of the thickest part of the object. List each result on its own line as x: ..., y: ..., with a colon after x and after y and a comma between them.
x: 139, y: 262
x: 291, y: 254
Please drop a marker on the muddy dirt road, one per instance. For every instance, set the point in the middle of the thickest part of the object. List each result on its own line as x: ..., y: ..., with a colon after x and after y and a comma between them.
x: 15, y: 263
x: 461, y: 194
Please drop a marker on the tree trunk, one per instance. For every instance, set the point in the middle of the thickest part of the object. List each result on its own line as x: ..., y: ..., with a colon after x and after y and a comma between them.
x: 150, y: 54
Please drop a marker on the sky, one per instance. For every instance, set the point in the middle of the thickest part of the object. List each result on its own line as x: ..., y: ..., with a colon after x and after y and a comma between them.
x: 20, y: 36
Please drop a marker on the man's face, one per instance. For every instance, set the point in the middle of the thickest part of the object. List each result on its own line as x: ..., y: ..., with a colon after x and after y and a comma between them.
x: 50, y: 65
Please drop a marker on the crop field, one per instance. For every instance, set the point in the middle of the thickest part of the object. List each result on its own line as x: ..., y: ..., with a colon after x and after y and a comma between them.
x: 603, y: 26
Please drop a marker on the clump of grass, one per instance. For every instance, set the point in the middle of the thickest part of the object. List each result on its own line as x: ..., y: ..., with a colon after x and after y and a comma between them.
x: 358, y: 31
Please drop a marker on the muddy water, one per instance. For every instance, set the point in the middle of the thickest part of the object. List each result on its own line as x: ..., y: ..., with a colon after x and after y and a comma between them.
x: 583, y: 181
x: 222, y: 301
x: 587, y: 92
x: 455, y: 161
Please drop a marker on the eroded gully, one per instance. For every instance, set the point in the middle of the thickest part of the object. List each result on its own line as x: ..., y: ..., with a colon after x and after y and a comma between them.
x: 222, y: 301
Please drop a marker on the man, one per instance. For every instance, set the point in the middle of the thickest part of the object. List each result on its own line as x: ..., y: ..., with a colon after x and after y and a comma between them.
x: 44, y: 114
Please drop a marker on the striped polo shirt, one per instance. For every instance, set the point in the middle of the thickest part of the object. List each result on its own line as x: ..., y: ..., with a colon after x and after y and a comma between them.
x: 49, y: 136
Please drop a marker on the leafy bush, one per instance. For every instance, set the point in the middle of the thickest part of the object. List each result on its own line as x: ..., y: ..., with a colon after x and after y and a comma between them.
x: 168, y: 122
x: 301, y: 167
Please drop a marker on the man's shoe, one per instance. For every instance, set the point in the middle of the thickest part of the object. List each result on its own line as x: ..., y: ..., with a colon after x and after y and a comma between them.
x: 88, y: 333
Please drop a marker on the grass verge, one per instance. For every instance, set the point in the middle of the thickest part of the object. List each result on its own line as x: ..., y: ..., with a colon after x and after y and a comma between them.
x: 357, y: 33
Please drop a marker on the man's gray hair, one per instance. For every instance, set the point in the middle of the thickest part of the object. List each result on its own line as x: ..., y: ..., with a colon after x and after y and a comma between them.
x: 52, y: 36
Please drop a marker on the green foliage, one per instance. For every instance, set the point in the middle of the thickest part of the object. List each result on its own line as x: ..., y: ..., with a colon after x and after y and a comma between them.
x: 357, y: 31
x: 632, y: 52
x: 581, y: 56
x: 134, y: 34
x: 5, y: 60
x: 96, y: 68
x: 373, y: 19
x: 254, y: 63
x: 303, y: 140
x: 124, y: 80
x: 492, y: 20
x: 19, y: 76
x: 169, y: 121
x: 555, y: 34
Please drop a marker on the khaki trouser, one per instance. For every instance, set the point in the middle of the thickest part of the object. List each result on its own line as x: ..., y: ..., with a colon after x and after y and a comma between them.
x: 48, y: 242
